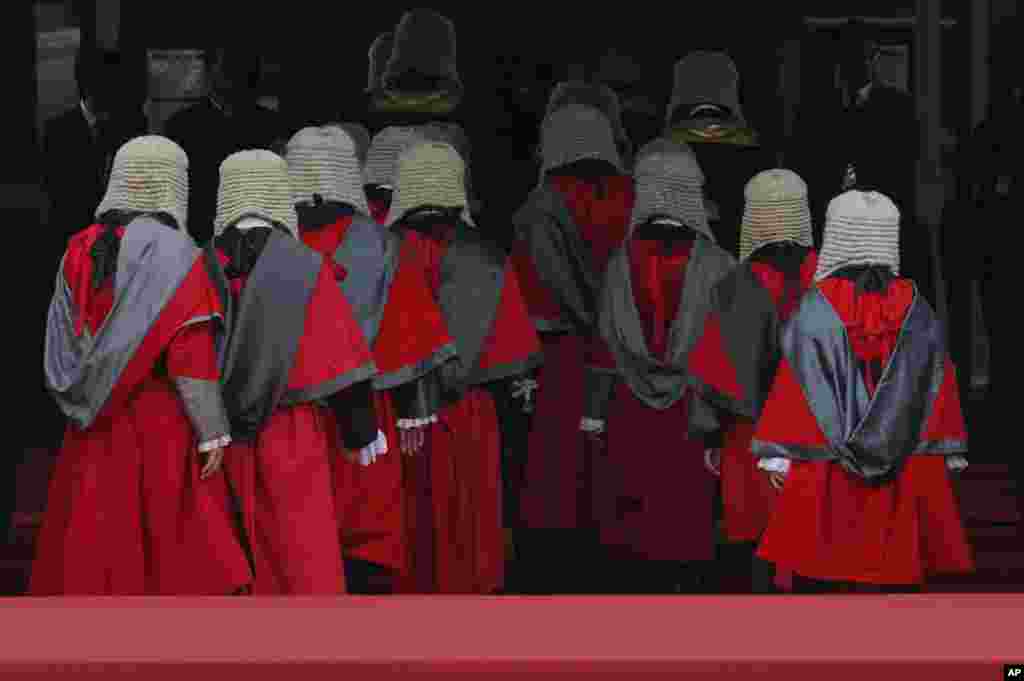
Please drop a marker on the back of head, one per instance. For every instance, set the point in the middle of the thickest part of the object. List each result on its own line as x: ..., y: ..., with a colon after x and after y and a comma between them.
x: 597, y: 96
x: 255, y: 183
x: 669, y: 183
x: 149, y: 175
x: 776, y: 210
x: 424, y: 45
x: 382, y: 157
x: 429, y: 173
x: 360, y: 137
x: 575, y: 132
x: 861, y: 228
x: 705, y: 103
x: 323, y: 162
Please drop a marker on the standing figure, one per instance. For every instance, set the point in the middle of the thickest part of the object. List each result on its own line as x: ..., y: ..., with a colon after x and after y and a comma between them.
x: 863, y: 420
x: 454, y: 493
x: 567, y: 229
x: 79, y: 144
x: 655, y: 497
x: 705, y: 112
x: 137, y: 504
x: 739, y: 351
x: 78, y: 148
x: 402, y: 324
x: 294, y: 345
x: 228, y: 120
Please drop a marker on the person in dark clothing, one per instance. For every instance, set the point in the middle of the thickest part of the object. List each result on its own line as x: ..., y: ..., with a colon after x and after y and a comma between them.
x: 874, y: 138
x: 226, y: 121
x: 991, y: 166
x: 78, y: 153
x: 79, y: 144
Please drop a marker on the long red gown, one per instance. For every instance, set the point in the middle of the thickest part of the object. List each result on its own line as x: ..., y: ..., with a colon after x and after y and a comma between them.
x: 457, y: 543
x: 557, y: 480
x: 370, y: 499
x: 654, y: 499
x: 831, y: 526
x: 285, y: 477
x: 127, y: 513
x: 747, y: 496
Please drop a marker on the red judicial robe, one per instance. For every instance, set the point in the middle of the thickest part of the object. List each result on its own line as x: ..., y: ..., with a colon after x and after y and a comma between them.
x: 655, y: 498
x: 736, y: 359
x: 127, y: 513
x: 457, y: 545
x: 282, y: 471
x: 830, y: 524
x: 408, y: 339
x: 568, y: 229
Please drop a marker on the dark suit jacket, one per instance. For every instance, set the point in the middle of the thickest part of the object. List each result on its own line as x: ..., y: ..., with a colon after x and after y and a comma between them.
x: 209, y: 136
x: 76, y: 163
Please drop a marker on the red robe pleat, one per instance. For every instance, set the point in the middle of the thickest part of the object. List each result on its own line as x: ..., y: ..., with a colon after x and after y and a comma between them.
x: 557, y: 481
x: 829, y: 525
x: 127, y: 513
x: 747, y: 496
x: 370, y: 499
x: 285, y: 476
x: 453, y: 487
x: 654, y: 498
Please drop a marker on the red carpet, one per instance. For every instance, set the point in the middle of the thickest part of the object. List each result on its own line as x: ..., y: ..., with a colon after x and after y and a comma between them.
x: 954, y: 638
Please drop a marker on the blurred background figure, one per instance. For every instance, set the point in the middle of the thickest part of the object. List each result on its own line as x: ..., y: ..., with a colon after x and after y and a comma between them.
x: 79, y: 144
x: 226, y: 121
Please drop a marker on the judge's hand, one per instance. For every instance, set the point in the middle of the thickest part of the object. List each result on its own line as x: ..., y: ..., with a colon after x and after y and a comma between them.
x: 214, y: 460
x: 713, y: 462
x: 412, y: 439
x: 777, y: 480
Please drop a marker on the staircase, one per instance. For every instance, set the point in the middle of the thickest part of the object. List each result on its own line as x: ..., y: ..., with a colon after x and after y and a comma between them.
x: 987, y: 499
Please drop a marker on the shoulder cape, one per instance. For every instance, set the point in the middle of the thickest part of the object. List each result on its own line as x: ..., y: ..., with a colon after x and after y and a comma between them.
x: 266, y: 326
x: 656, y: 382
x: 869, y: 435
x: 83, y: 370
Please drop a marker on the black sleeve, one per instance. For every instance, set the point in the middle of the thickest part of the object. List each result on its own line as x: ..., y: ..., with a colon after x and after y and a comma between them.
x: 356, y: 415
x: 418, y: 399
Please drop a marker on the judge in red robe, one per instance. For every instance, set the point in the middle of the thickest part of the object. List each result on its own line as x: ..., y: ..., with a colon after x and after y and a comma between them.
x: 738, y: 353
x: 294, y: 345
x: 456, y: 539
x: 407, y: 346
x: 655, y: 497
x: 864, y: 420
x: 130, y: 358
x: 567, y: 229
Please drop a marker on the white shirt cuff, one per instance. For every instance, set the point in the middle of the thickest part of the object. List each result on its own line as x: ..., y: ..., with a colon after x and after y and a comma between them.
x: 956, y: 463
x: 588, y: 425
x: 774, y: 465
x: 210, y: 445
x: 408, y: 424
